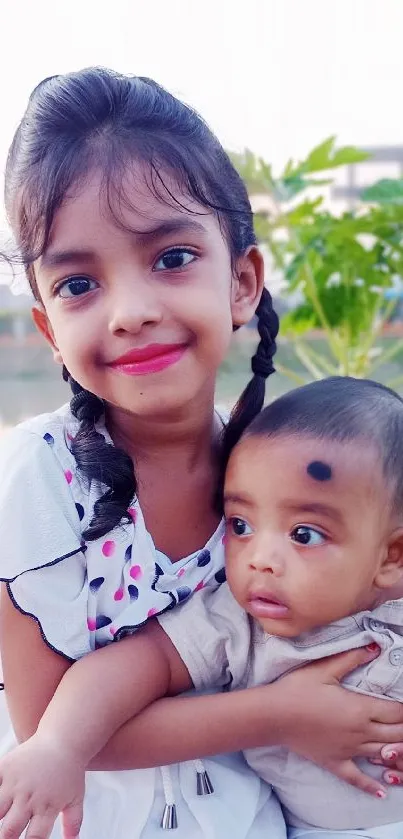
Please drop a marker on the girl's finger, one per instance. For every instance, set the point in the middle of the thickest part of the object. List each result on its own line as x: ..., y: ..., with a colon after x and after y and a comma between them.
x: 350, y: 772
x: 392, y: 753
x: 5, y: 802
x: 384, y: 733
x: 72, y: 818
x: 372, y: 751
x: 393, y: 777
x: 40, y: 826
x: 15, y: 821
x: 338, y: 665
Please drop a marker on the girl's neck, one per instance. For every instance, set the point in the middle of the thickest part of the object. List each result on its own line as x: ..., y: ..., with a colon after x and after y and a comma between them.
x: 190, y: 435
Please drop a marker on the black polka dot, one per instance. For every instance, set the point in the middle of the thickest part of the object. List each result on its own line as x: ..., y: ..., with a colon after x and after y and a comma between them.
x: 80, y: 511
x: 102, y: 620
x: 133, y: 592
x: 96, y: 584
x: 158, y: 570
x: 204, y: 558
x: 48, y: 439
x: 221, y: 576
x: 183, y: 593
x: 128, y: 554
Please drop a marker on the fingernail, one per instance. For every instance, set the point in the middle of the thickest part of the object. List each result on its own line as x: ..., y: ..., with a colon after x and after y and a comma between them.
x: 389, y: 755
x: 373, y: 647
x: 394, y: 780
x: 381, y: 793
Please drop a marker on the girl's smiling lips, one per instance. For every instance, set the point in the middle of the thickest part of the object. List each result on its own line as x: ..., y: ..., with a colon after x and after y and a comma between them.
x: 149, y: 359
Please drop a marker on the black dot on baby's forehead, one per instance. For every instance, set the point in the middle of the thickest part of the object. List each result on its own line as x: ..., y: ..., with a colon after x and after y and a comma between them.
x: 319, y: 470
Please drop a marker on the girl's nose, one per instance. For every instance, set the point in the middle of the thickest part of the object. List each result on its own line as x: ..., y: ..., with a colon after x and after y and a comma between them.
x: 133, y: 307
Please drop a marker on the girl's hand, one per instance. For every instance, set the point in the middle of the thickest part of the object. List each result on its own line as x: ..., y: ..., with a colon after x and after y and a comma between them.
x: 331, y: 725
x: 38, y: 780
x: 391, y: 756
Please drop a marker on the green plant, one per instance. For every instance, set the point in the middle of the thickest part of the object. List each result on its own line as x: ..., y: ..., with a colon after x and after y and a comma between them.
x: 339, y: 267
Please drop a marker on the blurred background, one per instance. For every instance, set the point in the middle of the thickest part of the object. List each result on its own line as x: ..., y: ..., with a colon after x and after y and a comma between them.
x: 317, y: 82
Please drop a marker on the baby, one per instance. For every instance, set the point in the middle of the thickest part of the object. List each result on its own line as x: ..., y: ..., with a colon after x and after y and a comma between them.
x: 313, y: 504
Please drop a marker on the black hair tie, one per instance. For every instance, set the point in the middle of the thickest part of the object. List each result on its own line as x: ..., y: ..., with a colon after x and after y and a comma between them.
x: 86, y: 406
x: 262, y: 366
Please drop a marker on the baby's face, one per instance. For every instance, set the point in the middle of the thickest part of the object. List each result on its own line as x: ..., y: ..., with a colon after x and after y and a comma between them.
x: 308, y: 537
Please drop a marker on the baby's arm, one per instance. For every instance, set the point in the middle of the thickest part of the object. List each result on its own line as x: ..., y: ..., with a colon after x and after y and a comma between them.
x: 45, y: 775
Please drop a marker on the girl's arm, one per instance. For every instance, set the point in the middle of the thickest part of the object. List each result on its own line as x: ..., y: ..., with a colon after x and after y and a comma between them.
x: 294, y: 711
x: 45, y: 775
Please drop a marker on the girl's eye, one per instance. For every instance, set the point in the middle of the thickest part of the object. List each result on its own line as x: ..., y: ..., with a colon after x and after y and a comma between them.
x: 75, y: 286
x: 305, y: 535
x: 239, y: 527
x: 174, y: 259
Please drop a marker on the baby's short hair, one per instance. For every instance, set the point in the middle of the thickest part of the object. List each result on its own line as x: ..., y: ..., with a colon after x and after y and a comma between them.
x: 343, y: 409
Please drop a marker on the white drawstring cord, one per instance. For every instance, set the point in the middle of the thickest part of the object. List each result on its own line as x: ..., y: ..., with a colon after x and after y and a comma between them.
x: 169, y: 820
x: 204, y: 786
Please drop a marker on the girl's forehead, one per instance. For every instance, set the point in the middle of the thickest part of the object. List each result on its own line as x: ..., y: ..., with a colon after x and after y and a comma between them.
x: 134, y: 195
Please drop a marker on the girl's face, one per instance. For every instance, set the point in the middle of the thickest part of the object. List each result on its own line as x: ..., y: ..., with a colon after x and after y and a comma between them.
x: 310, y: 534
x: 142, y: 313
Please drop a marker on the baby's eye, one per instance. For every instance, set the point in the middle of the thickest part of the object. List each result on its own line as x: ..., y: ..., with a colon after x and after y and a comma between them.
x: 173, y: 259
x: 76, y: 286
x: 239, y: 527
x: 305, y: 535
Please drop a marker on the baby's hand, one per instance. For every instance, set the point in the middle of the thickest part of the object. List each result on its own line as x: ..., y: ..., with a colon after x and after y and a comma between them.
x: 39, y: 780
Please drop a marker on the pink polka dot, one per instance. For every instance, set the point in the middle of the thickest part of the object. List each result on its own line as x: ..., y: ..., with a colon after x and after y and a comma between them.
x: 68, y: 475
x: 92, y: 624
x: 108, y: 548
x: 181, y: 572
x: 70, y: 436
x: 199, y: 586
x: 152, y: 612
x: 118, y: 594
x: 132, y: 513
x: 136, y: 572
x: 112, y: 630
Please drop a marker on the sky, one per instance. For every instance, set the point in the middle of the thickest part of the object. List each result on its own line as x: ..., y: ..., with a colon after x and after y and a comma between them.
x: 277, y: 76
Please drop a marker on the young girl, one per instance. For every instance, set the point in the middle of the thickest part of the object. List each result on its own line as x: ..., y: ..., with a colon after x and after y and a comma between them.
x: 306, y: 474
x: 137, y: 238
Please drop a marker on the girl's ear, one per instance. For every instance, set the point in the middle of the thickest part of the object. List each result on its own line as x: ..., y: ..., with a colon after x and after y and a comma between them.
x: 247, y: 286
x: 391, y: 570
x: 43, y: 326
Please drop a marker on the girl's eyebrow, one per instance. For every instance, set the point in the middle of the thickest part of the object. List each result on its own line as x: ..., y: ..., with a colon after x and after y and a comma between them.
x: 52, y: 259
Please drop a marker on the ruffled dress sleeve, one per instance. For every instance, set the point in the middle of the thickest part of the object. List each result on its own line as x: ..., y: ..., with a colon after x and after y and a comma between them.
x: 39, y: 529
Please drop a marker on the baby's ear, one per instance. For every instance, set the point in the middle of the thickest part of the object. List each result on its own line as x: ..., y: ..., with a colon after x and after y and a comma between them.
x: 391, y: 570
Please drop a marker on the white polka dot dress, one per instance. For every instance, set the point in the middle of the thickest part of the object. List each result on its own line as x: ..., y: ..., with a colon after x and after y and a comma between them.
x: 86, y: 595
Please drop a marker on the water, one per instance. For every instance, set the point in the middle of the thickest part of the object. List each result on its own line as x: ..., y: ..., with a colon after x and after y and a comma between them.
x: 31, y: 382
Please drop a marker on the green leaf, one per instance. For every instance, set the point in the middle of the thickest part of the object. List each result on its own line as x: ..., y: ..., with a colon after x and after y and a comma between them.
x: 385, y: 191
x: 326, y: 156
x: 318, y: 158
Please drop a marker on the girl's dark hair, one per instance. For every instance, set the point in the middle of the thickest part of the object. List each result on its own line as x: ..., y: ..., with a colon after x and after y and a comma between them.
x: 342, y: 409
x: 99, y: 119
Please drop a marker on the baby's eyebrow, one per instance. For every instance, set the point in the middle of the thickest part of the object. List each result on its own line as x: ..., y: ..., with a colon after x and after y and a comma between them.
x: 314, y: 508
x: 237, y: 498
